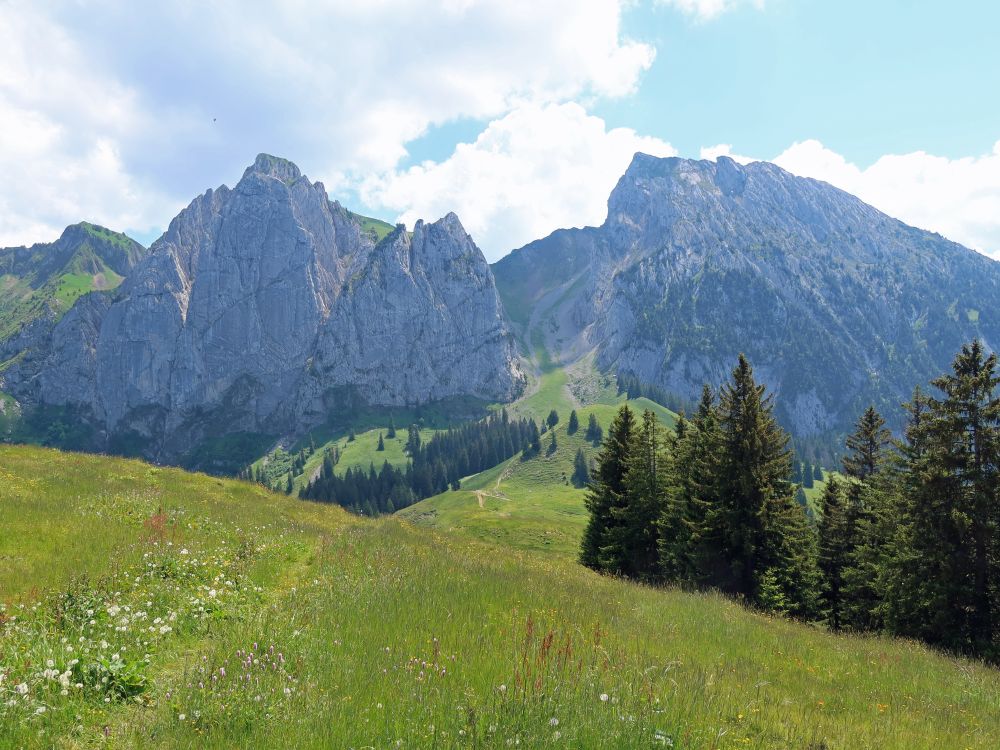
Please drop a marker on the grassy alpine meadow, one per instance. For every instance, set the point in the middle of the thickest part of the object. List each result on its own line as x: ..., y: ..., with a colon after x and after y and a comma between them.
x: 148, y: 607
x: 529, y: 503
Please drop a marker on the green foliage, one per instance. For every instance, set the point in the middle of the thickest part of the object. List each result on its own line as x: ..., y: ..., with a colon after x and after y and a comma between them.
x: 574, y: 423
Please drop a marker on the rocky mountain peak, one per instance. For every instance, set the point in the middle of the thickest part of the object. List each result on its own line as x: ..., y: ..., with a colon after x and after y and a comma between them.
x: 266, y: 165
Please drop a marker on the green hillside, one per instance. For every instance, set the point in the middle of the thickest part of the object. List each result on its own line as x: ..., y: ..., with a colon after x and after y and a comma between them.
x: 528, y: 504
x: 45, y: 280
x: 156, y: 596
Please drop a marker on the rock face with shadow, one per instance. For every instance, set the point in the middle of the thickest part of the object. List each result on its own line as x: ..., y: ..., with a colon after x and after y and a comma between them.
x: 260, y: 307
x: 836, y: 304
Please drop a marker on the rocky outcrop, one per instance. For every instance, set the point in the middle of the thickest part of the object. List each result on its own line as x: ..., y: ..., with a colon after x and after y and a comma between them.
x: 836, y: 304
x: 260, y: 303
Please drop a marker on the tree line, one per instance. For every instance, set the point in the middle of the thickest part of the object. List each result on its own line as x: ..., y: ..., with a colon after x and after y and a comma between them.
x: 435, y: 465
x: 905, y: 540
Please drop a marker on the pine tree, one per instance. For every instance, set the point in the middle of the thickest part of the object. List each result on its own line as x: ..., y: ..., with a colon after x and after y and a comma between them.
x: 607, y: 490
x: 533, y: 445
x: 413, y: 440
x: 574, y: 423
x: 581, y: 472
x: 553, y: 419
x: 391, y: 432
x: 631, y: 547
x: 835, y: 546
x: 381, y: 443
x: 594, y: 433
x: 808, y: 478
x: 861, y: 535
x: 690, y: 533
x: 866, y: 445
x: 763, y: 530
x: 954, y: 515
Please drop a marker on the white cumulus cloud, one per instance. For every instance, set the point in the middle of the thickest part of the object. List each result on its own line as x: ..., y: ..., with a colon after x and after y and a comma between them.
x: 119, y: 112
x: 537, y: 169
x: 706, y: 10
x: 958, y: 198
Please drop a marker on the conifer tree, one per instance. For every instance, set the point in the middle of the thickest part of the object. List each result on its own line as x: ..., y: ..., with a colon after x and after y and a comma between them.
x: 391, y: 432
x: 413, y: 440
x: 553, y: 419
x: 866, y: 445
x: 808, y: 478
x: 690, y: 539
x: 632, y: 539
x: 594, y: 433
x: 954, y: 514
x: 381, y: 443
x: 574, y: 423
x: 581, y: 472
x: 350, y: 437
x: 835, y: 546
x: 552, y: 444
x: 762, y: 529
x: 607, y: 490
x: 817, y: 472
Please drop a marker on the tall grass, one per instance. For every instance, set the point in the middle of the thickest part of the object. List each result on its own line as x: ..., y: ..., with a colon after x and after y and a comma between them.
x: 346, y: 632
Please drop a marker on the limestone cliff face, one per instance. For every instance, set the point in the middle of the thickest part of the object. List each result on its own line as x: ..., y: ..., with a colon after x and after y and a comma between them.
x: 262, y: 300
x: 836, y: 304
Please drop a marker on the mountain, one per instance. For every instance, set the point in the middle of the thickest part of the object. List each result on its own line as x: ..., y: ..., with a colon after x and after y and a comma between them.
x: 38, y: 284
x: 266, y: 307
x: 835, y: 303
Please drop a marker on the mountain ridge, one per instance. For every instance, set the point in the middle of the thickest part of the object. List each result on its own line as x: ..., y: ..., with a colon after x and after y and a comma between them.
x: 699, y: 260
x: 233, y: 322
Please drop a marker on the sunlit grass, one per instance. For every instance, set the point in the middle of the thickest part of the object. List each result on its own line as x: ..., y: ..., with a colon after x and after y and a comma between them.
x: 390, y: 634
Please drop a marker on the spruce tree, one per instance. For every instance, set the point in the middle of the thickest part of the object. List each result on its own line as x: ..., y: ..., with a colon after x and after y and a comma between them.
x: 413, y: 440
x: 391, y: 432
x: 581, y: 473
x: 607, y: 490
x: 817, y: 472
x: 553, y: 419
x: 866, y: 445
x: 690, y: 538
x: 808, y: 478
x: 594, y: 433
x: 350, y: 436
x: 954, y: 515
x: 381, y: 443
x: 552, y: 444
x: 762, y: 529
x: 574, y: 423
x: 863, y: 536
x: 632, y: 539
x: 835, y: 546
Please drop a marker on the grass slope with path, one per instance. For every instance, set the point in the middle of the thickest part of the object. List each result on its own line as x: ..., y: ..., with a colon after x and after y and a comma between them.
x: 147, y: 607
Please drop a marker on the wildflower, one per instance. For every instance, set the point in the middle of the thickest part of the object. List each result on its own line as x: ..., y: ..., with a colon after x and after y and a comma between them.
x: 181, y: 717
x: 553, y: 722
x: 503, y: 688
x: 604, y: 697
x: 21, y: 689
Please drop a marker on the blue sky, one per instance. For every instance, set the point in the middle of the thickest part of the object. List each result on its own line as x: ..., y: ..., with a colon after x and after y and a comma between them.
x: 517, y: 115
